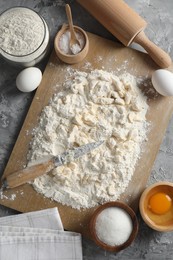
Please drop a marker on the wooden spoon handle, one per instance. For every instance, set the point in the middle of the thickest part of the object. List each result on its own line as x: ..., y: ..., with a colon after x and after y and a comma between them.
x: 160, y: 57
x: 70, y: 20
x: 22, y: 176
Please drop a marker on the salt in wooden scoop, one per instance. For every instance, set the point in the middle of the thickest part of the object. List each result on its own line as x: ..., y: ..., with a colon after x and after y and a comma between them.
x: 74, y: 43
x: 126, y: 25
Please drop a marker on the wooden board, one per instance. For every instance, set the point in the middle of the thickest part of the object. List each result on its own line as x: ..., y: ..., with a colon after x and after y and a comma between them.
x: 110, y: 56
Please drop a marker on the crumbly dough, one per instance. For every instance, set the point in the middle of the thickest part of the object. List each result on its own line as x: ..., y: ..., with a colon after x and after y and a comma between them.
x: 92, y: 107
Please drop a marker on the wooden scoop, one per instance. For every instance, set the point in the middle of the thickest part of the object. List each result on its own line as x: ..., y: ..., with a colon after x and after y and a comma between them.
x: 126, y: 25
x: 73, y: 39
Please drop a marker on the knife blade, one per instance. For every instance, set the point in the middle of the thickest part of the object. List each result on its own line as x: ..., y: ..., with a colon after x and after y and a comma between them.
x: 71, y: 155
x: 20, y: 177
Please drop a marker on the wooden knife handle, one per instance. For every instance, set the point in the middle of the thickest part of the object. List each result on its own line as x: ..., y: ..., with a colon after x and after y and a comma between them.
x: 20, y: 177
x: 160, y: 57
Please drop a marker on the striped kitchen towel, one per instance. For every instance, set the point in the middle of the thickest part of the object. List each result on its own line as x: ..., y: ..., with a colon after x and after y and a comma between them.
x: 38, y: 235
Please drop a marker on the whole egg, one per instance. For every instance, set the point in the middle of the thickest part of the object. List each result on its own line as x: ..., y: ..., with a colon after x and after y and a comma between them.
x: 162, y: 81
x: 29, y: 79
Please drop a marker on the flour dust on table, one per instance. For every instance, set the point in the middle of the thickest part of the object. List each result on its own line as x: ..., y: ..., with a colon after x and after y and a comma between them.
x: 93, y: 106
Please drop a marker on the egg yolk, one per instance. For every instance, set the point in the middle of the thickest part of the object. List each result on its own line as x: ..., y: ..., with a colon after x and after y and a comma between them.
x: 160, y: 203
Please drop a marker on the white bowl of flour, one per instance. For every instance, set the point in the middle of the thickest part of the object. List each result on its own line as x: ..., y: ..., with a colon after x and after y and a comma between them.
x: 24, y: 36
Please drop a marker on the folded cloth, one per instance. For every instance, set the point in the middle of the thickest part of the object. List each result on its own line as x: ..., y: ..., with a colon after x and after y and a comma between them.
x: 38, y: 235
x: 46, y: 218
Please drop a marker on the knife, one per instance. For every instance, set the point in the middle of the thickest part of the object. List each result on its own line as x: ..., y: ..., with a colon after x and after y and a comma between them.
x: 20, y: 177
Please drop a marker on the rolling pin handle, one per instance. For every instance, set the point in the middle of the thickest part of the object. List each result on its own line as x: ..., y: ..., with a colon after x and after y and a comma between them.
x: 160, y: 57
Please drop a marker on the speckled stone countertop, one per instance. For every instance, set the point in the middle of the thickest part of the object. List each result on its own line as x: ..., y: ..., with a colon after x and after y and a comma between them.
x: 14, y: 106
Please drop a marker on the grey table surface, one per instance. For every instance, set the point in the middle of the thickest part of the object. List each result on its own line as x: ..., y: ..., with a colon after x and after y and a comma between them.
x: 14, y: 106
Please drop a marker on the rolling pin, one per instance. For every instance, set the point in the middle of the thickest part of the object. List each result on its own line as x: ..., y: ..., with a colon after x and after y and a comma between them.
x: 126, y: 25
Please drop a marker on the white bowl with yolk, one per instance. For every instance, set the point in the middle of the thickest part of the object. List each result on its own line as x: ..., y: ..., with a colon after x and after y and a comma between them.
x: 156, y: 206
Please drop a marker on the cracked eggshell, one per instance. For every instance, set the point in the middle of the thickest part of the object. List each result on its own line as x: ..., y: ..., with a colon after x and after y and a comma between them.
x: 29, y: 79
x: 162, y: 81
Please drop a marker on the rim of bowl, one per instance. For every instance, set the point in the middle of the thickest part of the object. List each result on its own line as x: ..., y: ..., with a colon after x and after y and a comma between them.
x: 43, y: 21
x: 133, y: 217
x: 64, y: 28
x: 143, y: 213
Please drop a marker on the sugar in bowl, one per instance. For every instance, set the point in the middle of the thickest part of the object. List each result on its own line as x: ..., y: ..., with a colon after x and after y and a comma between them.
x: 114, y: 226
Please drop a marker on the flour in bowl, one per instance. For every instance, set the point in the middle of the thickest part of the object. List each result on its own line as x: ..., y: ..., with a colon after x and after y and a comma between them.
x: 21, y: 31
x: 92, y: 107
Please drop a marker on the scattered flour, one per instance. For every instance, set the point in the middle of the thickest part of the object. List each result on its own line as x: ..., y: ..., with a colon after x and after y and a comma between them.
x: 92, y: 107
x: 6, y: 197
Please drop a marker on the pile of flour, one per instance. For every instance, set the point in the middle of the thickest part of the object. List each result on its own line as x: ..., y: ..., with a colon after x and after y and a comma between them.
x: 92, y: 107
